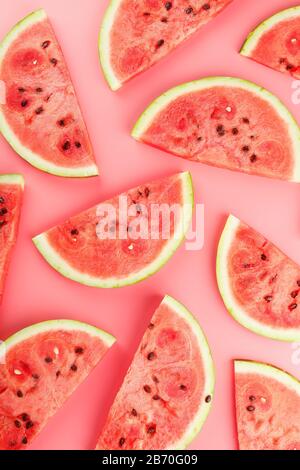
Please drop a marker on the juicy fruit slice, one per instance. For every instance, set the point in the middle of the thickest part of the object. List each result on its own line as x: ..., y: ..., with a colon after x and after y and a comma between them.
x: 167, y: 392
x: 224, y: 122
x: 11, y: 193
x: 259, y: 284
x: 41, y: 119
x: 276, y: 42
x: 111, y: 251
x: 136, y: 35
x: 267, y: 407
x: 40, y: 368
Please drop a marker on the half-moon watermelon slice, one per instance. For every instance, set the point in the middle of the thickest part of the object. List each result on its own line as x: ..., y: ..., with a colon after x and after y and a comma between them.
x: 125, y: 239
x: 225, y: 122
x: 267, y: 407
x: 41, y: 118
x: 259, y: 284
x: 11, y: 194
x: 40, y: 367
x: 276, y: 42
x: 168, y: 390
x: 135, y: 35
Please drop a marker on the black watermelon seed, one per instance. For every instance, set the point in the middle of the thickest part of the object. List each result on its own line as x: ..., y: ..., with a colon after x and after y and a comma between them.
x: 221, y: 130
x: 74, y: 232
x: 21, y: 89
x: 19, y: 394
x: 182, y: 387
x: 48, y: 360
x: 121, y: 441
x: 281, y: 61
x: 293, y: 307
x: 151, y: 429
x: 61, y: 123
x: 58, y: 373
x: 294, y: 294
x: 151, y: 326
x: 206, y: 6
x: 29, y: 424
x: 17, y: 424
x: 168, y: 6
x: 24, y: 440
x: 134, y: 412
x: 79, y: 349
x: 39, y: 110
x: 208, y: 399
x: 246, y: 121
x: 289, y: 67
x: 39, y: 90
x: 74, y: 368
x: 146, y: 13
x: 35, y: 376
x: 53, y: 61
x: 156, y: 397
x: 3, y: 211
x: 155, y: 379
x: 160, y: 43
x: 147, y: 192
x: 151, y: 356
x: 66, y: 145
x: 164, y: 20
x: 24, y: 103
x: 147, y: 388
x: 189, y: 10
x: 46, y: 44
x: 2, y: 200
x: 245, y: 148
x: 250, y: 408
x: 77, y: 144
x: 25, y: 417
x: 263, y: 257
x: 253, y: 158
x: 2, y: 223
x: 235, y: 131
x: 252, y: 398
x: 298, y: 283
x: 268, y: 298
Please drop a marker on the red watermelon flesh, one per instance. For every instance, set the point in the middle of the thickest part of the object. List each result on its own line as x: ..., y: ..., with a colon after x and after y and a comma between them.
x: 41, y: 118
x: 76, y: 250
x: 11, y: 193
x: 224, y: 122
x: 276, y: 42
x: 167, y: 392
x: 267, y: 407
x: 43, y: 367
x: 135, y: 35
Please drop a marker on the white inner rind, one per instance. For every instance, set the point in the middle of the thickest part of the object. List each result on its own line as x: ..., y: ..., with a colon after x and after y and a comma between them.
x: 13, y: 179
x: 254, y: 37
x: 62, y: 266
x: 54, y: 325
x: 149, y: 115
x: 266, y: 370
x: 31, y: 157
x: 104, y: 44
x: 209, y: 374
x: 229, y: 298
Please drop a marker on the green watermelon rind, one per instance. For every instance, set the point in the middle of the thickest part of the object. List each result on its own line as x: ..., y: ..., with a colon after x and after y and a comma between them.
x: 231, y: 304
x: 31, y: 157
x: 204, y: 409
x: 54, y: 325
x: 255, y: 35
x: 13, y: 179
x: 60, y: 265
x: 147, y: 117
x: 104, y: 44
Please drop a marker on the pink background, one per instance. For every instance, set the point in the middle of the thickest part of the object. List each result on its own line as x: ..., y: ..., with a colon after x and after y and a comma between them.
x: 35, y: 292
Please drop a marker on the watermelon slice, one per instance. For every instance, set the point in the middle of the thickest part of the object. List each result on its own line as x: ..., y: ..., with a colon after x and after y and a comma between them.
x: 259, y: 284
x: 267, y: 407
x: 121, y: 255
x: 225, y: 122
x: 276, y: 42
x: 11, y: 193
x: 40, y: 367
x: 135, y: 35
x: 167, y: 392
x: 41, y: 119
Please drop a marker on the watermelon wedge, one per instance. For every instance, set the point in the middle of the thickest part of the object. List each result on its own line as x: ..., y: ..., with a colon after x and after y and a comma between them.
x: 125, y: 250
x: 40, y: 367
x: 41, y: 118
x: 225, y: 122
x: 259, y: 284
x: 135, y: 35
x: 168, y: 390
x: 276, y: 42
x: 11, y: 193
x: 267, y: 407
